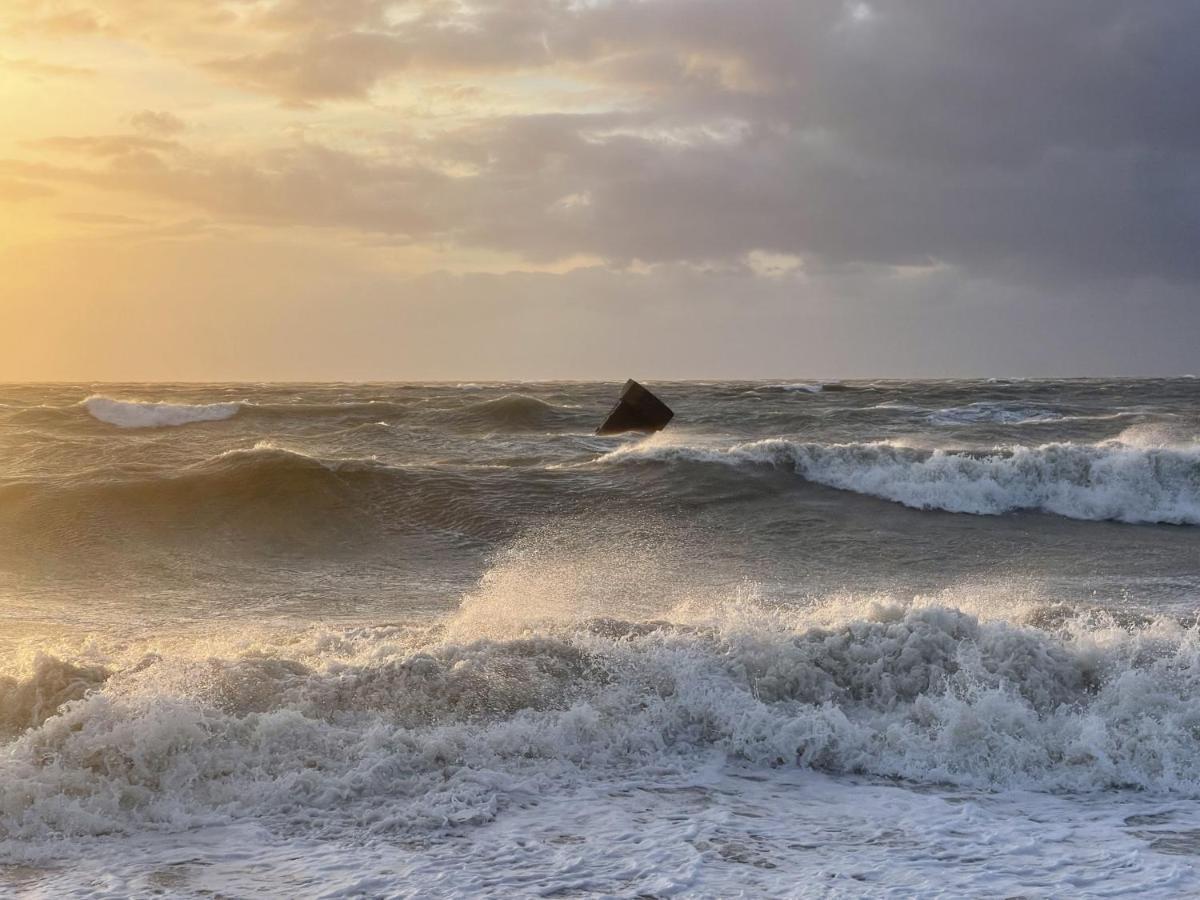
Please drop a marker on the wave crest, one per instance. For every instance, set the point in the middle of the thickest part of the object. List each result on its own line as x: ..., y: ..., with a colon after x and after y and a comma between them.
x: 513, y: 412
x: 28, y: 702
x: 149, y: 414
x: 1106, y: 481
x: 247, y: 499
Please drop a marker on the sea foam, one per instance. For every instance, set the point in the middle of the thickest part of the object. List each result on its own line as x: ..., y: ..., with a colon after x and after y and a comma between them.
x: 405, y: 734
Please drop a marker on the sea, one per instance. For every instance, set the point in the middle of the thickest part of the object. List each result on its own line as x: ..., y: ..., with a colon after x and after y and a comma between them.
x: 814, y: 639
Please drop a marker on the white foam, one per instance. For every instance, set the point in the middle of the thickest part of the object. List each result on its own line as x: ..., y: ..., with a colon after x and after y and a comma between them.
x: 733, y: 832
x: 405, y: 739
x: 1110, y: 480
x: 147, y: 414
x: 527, y: 757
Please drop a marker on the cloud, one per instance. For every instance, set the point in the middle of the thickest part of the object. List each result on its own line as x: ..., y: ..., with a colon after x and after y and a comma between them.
x: 39, y: 69
x: 157, y: 123
x: 14, y: 190
x: 104, y: 145
x: 1033, y: 140
x: 261, y: 309
x: 298, y: 185
x: 101, y: 219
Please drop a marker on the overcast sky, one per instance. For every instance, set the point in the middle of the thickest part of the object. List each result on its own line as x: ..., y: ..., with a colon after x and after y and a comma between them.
x: 351, y: 189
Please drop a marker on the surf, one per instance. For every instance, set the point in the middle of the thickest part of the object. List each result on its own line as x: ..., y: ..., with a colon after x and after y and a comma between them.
x: 1109, y: 480
x: 433, y: 727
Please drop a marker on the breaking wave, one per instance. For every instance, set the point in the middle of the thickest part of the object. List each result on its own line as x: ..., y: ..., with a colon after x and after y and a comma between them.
x: 28, y: 702
x: 1111, y: 480
x: 147, y: 414
x: 511, y: 412
x: 403, y: 730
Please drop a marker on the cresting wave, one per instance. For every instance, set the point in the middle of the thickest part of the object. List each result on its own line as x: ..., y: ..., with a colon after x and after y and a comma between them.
x: 517, y: 412
x: 1111, y: 480
x: 405, y: 730
x: 264, y: 470
x: 260, y: 493
x: 147, y: 414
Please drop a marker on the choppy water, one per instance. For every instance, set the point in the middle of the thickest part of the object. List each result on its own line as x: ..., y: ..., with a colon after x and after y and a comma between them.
x: 863, y: 638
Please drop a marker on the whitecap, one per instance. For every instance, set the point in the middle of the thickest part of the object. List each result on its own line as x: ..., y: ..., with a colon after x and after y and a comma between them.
x: 1111, y: 480
x: 150, y: 414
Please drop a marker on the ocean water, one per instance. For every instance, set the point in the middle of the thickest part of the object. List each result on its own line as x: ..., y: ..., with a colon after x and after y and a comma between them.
x: 839, y: 639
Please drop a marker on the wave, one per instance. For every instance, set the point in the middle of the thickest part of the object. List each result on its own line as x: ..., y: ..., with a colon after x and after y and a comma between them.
x: 516, y: 412
x: 297, y: 502
x: 148, y: 414
x: 1111, y: 480
x: 897, y: 406
x: 402, y: 730
x: 993, y: 412
x: 27, y: 703
x: 804, y: 387
x: 511, y: 412
x: 988, y: 411
x: 135, y: 414
x: 361, y: 410
x: 816, y: 387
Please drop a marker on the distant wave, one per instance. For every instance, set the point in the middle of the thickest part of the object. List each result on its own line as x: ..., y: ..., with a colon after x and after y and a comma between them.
x: 512, y: 412
x: 372, y: 410
x: 263, y: 492
x: 148, y: 414
x: 1001, y: 413
x: 133, y: 414
x: 813, y: 387
x: 516, y: 412
x: 1106, y: 481
x: 896, y: 405
x: 992, y: 412
x: 809, y: 388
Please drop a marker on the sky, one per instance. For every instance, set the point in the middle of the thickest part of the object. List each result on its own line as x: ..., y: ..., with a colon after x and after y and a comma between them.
x: 531, y: 189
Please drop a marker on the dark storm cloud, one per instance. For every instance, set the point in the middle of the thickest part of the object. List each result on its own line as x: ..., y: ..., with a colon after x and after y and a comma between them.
x: 1048, y: 136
